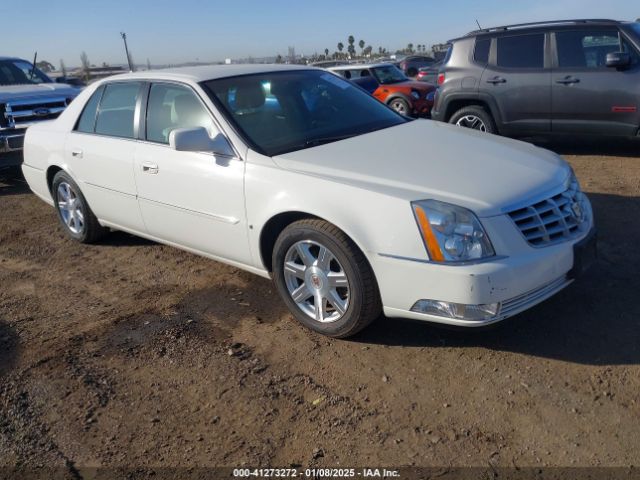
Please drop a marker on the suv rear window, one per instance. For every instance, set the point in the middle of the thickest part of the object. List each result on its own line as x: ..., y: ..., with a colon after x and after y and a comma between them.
x: 521, y: 51
x: 481, y: 51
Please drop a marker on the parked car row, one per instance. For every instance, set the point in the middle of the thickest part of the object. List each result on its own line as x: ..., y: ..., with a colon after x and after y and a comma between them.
x: 389, y: 85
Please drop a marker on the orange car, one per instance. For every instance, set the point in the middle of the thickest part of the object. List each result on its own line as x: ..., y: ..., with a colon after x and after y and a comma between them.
x: 387, y: 83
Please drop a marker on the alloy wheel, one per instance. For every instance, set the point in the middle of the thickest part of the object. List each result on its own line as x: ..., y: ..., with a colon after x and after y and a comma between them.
x: 316, y: 281
x: 70, y: 208
x: 473, y: 122
x: 399, y: 107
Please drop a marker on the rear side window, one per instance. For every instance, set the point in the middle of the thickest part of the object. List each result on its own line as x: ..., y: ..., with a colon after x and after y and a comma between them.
x: 117, y: 108
x: 172, y: 106
x: 586, y: 48
x: 87, y: 120
x: 481, y: 51
x: 521, y: 51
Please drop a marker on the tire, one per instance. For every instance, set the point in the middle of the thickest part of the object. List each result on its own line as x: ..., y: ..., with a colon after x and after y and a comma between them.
x: 77, y: 219
x: 474, y: 117
x: 344, y: 282
x: 400, y: 105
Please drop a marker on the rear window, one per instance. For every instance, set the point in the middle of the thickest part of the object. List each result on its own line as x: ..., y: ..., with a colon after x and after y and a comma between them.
x: 521, y: 51
x: 481, y: 51
x: 117, y: 108
x: 87, y: 120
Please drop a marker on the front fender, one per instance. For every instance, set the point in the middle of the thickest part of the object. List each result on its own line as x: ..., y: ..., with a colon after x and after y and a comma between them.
x: 378, y: 223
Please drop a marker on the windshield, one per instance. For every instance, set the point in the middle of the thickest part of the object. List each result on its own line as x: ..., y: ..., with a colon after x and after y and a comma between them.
x: 280, y: 112
x: 389, y: 74
x: 13, y: 72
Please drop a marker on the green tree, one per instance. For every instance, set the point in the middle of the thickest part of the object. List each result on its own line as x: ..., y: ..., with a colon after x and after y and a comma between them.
x: 361, y: 44
x: 340, y: 47
x: 351, y: 48
x: 326, y: 52
x: 410, y: 48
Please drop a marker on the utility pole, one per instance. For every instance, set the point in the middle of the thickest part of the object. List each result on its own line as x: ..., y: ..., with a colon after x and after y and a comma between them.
x: 126, y: 49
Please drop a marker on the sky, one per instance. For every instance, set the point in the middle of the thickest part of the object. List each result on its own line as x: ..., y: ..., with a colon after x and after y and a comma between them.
x: 176, y: 31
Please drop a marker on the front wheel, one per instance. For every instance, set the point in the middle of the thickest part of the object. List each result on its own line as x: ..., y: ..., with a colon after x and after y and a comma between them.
x: 74, y: 213
x: 475, y: 118
x: 401, y: 106
x: 324, y: 279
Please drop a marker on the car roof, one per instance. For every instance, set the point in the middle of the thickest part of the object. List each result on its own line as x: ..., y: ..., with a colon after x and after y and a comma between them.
x: 541, y: 26
x: 356, y: 66
x: 10, y: 58
x: 208, y: 72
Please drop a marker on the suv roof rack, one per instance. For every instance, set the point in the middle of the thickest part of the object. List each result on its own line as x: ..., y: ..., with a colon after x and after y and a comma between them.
x: 535, y: 24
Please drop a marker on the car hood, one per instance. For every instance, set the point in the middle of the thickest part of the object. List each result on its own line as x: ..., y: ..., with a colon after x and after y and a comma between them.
x: 42, y: 90
x: 418, y: 85
x: 423, y: 159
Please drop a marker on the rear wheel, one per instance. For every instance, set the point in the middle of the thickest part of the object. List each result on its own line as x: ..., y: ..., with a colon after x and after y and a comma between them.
x: 475, y: 118
x: 324, y: 279
x: 77, y: 219
x: 400, y: 105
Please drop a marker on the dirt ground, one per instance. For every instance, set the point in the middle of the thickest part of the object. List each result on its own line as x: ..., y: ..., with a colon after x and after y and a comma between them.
x: 132, y: 354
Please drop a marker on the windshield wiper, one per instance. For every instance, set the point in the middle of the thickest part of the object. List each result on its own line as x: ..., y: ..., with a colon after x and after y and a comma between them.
x: 322, y: 140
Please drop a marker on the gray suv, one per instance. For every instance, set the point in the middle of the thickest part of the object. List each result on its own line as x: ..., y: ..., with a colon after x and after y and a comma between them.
x: 579, y: 76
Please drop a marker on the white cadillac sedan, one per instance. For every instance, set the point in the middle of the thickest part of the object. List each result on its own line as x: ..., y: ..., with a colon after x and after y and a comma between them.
x: 295, y: 174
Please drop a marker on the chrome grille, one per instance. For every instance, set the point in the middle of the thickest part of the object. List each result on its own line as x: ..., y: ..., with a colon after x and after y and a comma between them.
x: 22, y: 113
x: 556, y: 219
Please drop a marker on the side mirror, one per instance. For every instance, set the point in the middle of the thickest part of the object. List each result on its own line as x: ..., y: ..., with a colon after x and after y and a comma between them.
x: 197, y: 139
x: 618, y: 60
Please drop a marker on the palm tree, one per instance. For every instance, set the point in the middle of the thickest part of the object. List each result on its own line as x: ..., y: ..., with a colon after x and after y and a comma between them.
x: 361, y: 44
x: 340, y: 47
x: 326, y: 52
x: 410, y: 47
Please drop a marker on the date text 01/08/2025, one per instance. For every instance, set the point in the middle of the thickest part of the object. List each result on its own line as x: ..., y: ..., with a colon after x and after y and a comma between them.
x: 315, y: 473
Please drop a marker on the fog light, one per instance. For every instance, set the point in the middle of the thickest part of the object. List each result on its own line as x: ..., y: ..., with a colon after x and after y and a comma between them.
x: 457, y: 311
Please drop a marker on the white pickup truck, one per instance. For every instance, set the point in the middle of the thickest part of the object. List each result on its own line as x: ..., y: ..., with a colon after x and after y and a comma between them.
x: 27, y: 96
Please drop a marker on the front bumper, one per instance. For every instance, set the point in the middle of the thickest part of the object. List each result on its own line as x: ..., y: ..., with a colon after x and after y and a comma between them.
x: 515, y: 283
x: 11, y: 144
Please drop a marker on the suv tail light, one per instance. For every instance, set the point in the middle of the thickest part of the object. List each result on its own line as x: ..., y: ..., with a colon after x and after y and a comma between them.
x: 441, y: 78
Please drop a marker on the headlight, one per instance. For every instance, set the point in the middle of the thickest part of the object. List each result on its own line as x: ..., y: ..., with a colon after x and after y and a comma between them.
x: 451, y: 233
x: 415, y: 94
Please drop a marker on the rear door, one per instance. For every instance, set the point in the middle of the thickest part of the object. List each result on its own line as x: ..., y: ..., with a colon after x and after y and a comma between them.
x: 518, y: 79
x: 193, y: 199
x: 100, y: 153
x: 588, y: 97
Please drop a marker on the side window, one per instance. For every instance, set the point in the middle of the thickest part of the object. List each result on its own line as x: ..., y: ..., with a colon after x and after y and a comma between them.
x: 172, y: 106
x: 585, y: 48
x: 481, y: 51
x: 117, y: 108
x: 627, y: 48
x: 87, y: 120
x: 521, y: 51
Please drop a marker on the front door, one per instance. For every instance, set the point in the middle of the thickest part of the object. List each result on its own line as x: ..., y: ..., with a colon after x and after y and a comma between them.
x: 195, y: 200
x: 518, y: 79
x: 588, y: 97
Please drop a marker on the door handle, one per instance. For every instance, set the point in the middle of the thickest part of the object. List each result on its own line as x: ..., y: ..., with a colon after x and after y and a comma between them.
x: 568, y: 80
x: 76, y: 153
x: 148, y: 167
x: 496, y: 80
